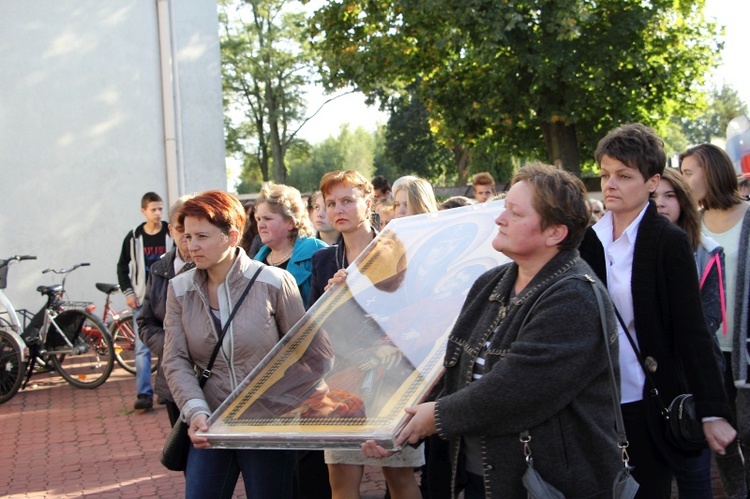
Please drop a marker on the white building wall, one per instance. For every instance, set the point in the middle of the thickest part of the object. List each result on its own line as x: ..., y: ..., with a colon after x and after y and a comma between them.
x: 82, y: 131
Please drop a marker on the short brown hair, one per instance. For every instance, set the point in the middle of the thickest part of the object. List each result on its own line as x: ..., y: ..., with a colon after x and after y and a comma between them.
x: 483, y: 178
x: 219, y: 208
x: 559, y: 198
x: 287, y: 202
x: 721, y: 180
x: 636, y: 146
x: 349, y: 177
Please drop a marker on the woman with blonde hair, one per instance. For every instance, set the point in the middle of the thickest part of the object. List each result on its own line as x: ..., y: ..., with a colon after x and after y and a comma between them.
x: 287, y: 233
x: 413, y: 196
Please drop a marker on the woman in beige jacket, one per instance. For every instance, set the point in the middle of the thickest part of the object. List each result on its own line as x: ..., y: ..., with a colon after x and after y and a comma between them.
x: 199, y: 303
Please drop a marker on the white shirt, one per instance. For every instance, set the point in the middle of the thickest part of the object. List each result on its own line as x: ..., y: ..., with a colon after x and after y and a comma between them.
x: 619, y: 258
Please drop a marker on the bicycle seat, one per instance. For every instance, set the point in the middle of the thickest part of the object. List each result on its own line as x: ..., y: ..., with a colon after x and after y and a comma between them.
x: 107, y: 288
x: 50, y: 290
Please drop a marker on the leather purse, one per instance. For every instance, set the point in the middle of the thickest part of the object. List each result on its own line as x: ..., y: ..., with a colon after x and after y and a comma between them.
x: 681, y: 426
x: 175, y: 452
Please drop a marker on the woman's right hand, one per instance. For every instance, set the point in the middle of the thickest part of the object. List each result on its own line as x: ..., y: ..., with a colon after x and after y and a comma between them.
x: 719, y: 433
x: 199, y: 423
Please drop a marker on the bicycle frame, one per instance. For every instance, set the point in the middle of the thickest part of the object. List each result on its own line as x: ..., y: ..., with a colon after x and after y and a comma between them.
x: 13, y: 320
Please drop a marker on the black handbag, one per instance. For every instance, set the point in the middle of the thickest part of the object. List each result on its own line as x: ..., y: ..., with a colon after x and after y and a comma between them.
x: 685, y: 428
x: 681, y: 426
x: 175, y: 452
x: 624, y: 485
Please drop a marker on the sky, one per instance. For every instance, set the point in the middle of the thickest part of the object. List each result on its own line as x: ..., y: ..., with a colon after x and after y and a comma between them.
x: 735, y: 70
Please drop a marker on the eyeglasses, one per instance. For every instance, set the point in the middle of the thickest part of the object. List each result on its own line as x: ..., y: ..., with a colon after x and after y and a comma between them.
x: 179, y: 228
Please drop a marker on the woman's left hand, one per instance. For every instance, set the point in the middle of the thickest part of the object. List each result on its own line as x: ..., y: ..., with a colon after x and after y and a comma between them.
x: 421, y: 425
x: 372, y: 449
x: 199, y: 423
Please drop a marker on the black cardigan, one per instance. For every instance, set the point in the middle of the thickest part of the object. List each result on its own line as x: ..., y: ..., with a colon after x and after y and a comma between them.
x: 669, y: 319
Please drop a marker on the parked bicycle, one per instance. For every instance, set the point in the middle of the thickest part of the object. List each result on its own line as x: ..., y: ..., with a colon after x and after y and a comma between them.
x: 120, y: 326
x: 63, y: 336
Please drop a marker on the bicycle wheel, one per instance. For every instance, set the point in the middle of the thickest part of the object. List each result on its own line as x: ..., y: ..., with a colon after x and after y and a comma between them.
x: 11, y: 366
x: 92, y: 358
x: 124, y: 339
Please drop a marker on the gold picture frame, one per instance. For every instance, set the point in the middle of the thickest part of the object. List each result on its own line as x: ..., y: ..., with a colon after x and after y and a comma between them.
x: 367, y: 348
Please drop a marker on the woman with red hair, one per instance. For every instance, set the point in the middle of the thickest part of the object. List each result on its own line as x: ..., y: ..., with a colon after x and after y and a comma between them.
x: 348, y: 201
x: 199, y: 303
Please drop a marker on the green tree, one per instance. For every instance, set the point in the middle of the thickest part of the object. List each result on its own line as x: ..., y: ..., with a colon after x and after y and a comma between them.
x: 534, y: 77
x: 353, y: 150
x: 265, y: 63
x: 410, y: 145
x: 711, y: 120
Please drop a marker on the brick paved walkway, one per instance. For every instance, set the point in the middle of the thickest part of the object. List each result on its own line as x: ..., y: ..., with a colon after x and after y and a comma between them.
x: 60, y: 441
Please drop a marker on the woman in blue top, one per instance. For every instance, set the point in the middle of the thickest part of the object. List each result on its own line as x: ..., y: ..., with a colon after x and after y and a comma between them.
x: 286, y: 232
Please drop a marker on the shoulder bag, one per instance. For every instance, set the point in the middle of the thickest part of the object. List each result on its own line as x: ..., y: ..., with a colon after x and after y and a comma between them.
x: 175, y: 452
x: 681, y: 427
x: 624, y: 485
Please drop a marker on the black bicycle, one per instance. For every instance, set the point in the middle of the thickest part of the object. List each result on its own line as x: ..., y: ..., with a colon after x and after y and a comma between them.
x: 63, y: 336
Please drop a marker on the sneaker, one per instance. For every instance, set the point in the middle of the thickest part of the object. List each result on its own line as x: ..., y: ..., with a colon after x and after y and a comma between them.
x: 144, y: 402
x: 161, y: 400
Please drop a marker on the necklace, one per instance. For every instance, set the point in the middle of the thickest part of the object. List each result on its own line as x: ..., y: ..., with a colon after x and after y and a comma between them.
x: 344, y: 260
x: 280, y: 261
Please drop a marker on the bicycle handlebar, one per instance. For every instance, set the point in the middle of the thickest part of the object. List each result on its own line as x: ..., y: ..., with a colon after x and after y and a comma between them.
x: 16, y: 258
x: 66, y: 271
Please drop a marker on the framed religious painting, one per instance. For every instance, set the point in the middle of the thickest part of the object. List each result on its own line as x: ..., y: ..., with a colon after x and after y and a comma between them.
x: 368, y: 348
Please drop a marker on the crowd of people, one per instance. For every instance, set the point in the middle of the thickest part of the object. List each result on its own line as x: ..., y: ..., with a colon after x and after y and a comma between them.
x: 526, y: 357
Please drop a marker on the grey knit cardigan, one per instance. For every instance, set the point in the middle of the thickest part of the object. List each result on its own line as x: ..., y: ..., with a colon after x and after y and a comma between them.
x: 545, y: 372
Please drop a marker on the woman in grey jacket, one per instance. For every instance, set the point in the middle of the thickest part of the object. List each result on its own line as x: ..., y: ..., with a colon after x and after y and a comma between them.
x: 521, y: 359
x: 199, y: 303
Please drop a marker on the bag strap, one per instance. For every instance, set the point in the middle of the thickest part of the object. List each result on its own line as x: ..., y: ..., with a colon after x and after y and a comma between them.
x: 206, y: 373
x: 622, y: 437
x: 642, y: 362
x: 614, y: 389
x: 716, y: 260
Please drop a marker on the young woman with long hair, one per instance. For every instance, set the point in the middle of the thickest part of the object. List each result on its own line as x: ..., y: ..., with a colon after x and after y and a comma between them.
x: 726, y: 219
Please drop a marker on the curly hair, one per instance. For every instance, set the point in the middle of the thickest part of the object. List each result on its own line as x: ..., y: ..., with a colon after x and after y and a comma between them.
x: 287, y: 201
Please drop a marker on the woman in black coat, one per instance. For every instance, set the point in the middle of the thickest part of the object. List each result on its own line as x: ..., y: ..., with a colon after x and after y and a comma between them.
x: 649, y: 269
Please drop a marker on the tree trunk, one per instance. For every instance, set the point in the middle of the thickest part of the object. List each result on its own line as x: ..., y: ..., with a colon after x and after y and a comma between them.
x: 462, y: 155
x: 277, y: 153
x: 263, y: 161
x: 277, y: 148
x: 562, y: 146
